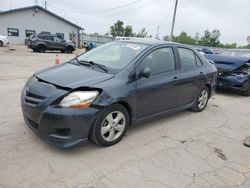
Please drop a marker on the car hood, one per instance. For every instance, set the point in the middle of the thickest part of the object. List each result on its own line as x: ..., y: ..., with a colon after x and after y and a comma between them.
x: 227, y: 63
x: 72, y: 76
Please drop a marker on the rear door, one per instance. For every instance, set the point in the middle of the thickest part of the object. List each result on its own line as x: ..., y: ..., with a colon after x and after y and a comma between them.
x: 48, y: 40
x: 159, y: 92
x: 191, y: 77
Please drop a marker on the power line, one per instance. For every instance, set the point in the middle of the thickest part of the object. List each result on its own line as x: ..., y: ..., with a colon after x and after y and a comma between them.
x: 118, y: 7
x: 170, y: 10
x: 158, y: 27
x: 126, y: 11
x: 132, y: 9
x: 102, y: 10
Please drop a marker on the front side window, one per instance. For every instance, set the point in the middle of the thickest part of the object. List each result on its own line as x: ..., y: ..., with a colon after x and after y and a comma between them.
x: 114, y: 55
x: 188, y: 60
x: 29, y: 32
x: 13, y: 32
x: 160, y: 60
x: 45, y: 37
x: 57, y: 39
x: 60, y: 35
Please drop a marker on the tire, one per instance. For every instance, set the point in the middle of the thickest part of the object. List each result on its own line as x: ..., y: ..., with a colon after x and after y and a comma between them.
x: 62, y: 51
x: 1, y: 43
x: 202, y: 100
x: 41, y: 48
x: 69, y: 49
x: 107, y: 131
x: 247, y: 92
x: 34, y: 50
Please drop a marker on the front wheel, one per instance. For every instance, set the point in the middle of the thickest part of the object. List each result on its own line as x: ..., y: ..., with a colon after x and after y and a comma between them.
x: 202, y: 100
x: 247, y: 92
x: 110, y: 126
x: 1, y: 43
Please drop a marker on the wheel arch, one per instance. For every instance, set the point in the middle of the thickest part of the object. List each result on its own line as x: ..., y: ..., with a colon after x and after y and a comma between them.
x: 127, y: 107
x: 41, y: 44
x: 209, y: 89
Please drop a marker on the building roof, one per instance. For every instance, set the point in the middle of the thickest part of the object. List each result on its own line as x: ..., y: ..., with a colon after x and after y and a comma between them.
x: 41, y: 8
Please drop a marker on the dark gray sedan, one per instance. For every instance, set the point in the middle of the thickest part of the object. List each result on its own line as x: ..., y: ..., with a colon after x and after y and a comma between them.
x: 104, y: 91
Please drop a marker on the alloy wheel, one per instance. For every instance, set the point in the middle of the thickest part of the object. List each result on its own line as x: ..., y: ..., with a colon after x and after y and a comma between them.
x: 203, y: 98
x: 113, y: 126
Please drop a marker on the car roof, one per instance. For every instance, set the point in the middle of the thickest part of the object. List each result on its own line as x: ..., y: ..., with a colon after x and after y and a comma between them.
x: 148, y: 41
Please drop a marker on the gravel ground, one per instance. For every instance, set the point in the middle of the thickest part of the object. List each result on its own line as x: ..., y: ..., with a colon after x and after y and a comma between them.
x: 186, y: 149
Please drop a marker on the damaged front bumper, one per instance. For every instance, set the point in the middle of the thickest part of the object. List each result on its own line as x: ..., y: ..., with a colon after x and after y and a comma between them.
x: 240, y: 82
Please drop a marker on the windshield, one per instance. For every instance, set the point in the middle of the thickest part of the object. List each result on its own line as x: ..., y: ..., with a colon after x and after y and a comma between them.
x: 113, y: 55
x: 236, y: 53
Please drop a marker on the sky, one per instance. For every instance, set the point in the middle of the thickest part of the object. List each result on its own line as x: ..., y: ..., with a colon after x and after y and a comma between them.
x: 231, y: 17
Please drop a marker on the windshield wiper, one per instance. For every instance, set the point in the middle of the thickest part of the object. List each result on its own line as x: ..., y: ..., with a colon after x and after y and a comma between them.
x: 103, y: 67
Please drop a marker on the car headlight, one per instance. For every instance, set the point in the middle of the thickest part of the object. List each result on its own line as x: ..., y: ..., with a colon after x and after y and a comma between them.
x: 79, y: 99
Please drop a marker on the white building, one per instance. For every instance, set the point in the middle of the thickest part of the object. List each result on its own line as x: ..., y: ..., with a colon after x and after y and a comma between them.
x: 19, y: 23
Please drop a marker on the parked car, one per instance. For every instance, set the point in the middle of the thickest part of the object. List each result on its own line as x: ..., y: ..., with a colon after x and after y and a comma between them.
x: 91, y: 46
x: 207, y: 51
x: 43, y: 42
x: 103, y: 91
x: 3, y: 40
x: 233, y: 70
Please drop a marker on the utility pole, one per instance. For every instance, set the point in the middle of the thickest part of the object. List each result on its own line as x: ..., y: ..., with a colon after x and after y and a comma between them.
x: 45, y: 4
x: 173, y: 22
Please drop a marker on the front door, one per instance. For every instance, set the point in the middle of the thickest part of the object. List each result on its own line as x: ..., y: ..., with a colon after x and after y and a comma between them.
x: 159, y: 92
x: 58, y: 43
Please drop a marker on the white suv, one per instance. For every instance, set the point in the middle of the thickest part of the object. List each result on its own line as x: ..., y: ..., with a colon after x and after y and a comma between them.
x: 3, y: 40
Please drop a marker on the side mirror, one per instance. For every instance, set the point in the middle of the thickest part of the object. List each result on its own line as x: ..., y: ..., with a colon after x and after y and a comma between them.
x: 63, y: 40
x: 145, y: 72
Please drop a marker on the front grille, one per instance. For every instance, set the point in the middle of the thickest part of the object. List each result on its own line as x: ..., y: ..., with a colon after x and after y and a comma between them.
x: 31, y: 123
x: 33, y: 99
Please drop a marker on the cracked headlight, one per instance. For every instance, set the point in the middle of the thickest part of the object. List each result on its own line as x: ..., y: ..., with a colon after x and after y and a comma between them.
x: 79, y: 99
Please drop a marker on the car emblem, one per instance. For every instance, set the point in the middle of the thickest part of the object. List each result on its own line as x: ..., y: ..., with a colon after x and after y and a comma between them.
x: 27, y: 91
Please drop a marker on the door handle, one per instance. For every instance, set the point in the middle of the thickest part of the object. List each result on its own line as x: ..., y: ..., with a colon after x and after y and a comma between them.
x: 175, y: 78
x: 201, y: 72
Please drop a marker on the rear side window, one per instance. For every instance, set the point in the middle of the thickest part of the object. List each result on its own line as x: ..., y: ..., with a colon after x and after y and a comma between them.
x: 44, y: 37
x: 160, y: 60
x: 198, y: 61
x: 188, y: 59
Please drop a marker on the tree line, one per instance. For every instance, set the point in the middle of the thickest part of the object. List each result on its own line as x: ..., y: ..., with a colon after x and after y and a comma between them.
x: 208, y: 38
x: 120, y: 29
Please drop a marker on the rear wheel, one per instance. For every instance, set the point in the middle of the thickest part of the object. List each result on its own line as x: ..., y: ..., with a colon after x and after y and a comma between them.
x: 62, y: 51
x: 41, y: 48
x: 34, y: 50
x: 111, y: 126
x: 69, y: 49
x: 202, y: 100
x: 1, y: 43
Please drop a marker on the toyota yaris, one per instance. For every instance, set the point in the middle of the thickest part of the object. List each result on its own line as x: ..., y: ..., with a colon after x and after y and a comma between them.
x: 101, y: 93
